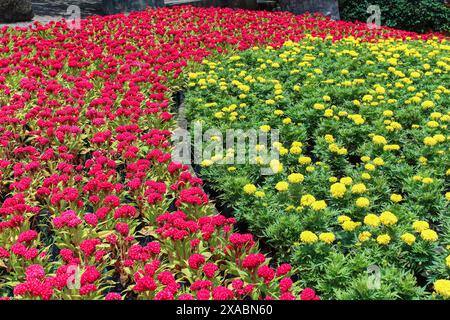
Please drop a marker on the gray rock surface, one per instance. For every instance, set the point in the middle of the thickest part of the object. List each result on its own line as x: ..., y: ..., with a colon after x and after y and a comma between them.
x: 15, y: 10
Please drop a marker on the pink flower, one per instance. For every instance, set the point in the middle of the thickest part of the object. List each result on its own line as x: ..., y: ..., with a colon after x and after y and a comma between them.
x: 210, y: 269
x: 195, y: 261
x: 308, y: 294
x: 113, y: 296
x: 252, y: 261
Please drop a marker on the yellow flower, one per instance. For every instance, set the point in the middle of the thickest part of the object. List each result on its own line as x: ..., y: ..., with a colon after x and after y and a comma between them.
x: 249, y: 188
x: 365, y: 176
x: 276, y: 166
x: 408, y: 238
x: 343, y: 218
x: 442, y: 287
x: 359, y: 188
x: 427, y: 180
x: 447, y: 261
x: 364, y: 236
x: 429, y: 141
x: 327, y: 237
x: 346, y: 180
x: 420, y: 225
x: 319, y: 106
x: 388, y: 218
x: 429, y: 235
x: 427, y: 104
x: 447, y: 196
x: 378, y: 161
x: 304, y: 160
x: 384, y: 239
x: 287, y: 120
x: 307, y: 200
x: 396, y: 197
x: 282, y: 186
x: 264, y: 128
x: 338, y: 190
x: 377, y: 139
x: 259, y: 194
x: 308, y: 237
x: 296, y: 178
x: 372, y: 220
x: 206, y: 163
x: 362, y: 202
x: 369, y: 167
x: 350, y: 225
x: 319, y: 205
x: 231, y: 169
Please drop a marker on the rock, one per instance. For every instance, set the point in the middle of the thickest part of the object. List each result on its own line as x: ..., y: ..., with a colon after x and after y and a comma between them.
x: 15, y: 10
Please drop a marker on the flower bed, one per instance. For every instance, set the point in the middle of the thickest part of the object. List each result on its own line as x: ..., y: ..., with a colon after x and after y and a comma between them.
x: 362, y: 179
x: 91, y: 204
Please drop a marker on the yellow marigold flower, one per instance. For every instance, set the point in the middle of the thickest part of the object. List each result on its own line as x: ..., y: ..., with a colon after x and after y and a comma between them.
x: 206, y: 163
x: 327, y: 237
x: 276, y: 166
x: 264, y: 128
x: 442, y: 287
x: 359, y: 188
x: 365, y: 176
x: 364, y: 236
x: 388, y: 113
x: 372, y: 220
x: 270, y: 102
x: 332, y: 179
x: 365, y: 158
x: 310, y: 168
x: 369, y: 167
x: 343, y: 218
x: 350, y: 225
x: 427, y: 180
x: 384, y: 239
x: 287, y: 121
x: 231, y: 169
x: 420, y: 225
x: 338, y: 190
x: 278, y: 112
x: 326, y: 98
x: 362, y: 202
x: 396, y: 197
x: 429, y: 235
x: 377, y: 139
x: 308, y: 237
x: 447, y: 261
x: 388, y: 218
x: 346, y: 180
x: 408, y: 238
x: 319, y: 205
x: 378, y: 161
x: 427, y: 104
x: 296, y: 178
x: 259, y: 194
x: 329, y: 138
x: 282, y: 186
x: 295, y: 150
x: 429, y: 141
x: 447, y: 196
x: 307, y: 200
x: 249, y: 188
x: 318, y: 106
x: 304, y: 160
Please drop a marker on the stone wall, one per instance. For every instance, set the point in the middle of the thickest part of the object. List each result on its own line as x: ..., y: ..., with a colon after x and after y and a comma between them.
x: 15, y: 10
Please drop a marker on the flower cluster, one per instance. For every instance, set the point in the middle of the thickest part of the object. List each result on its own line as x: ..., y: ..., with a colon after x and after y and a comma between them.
x: 363, y: 170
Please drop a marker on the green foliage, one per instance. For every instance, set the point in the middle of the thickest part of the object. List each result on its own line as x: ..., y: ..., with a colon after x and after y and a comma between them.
x: 417, y: 15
